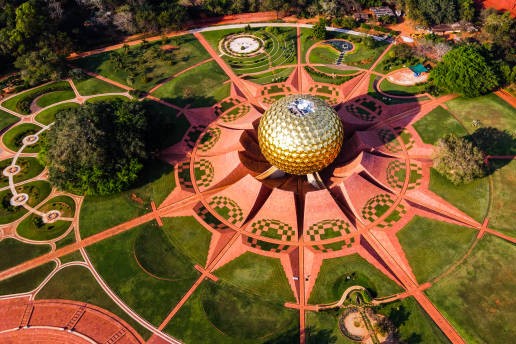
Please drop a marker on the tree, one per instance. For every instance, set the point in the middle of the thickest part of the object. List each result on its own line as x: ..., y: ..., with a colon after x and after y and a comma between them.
x: 39, y: 66
x: 458, y: 159
x: 466, y: 10
x: 98, y: 148
x: 319, y: 29
x: 466, y: 71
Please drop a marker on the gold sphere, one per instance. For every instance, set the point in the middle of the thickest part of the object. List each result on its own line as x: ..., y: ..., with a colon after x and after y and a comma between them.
x: 300, y: 134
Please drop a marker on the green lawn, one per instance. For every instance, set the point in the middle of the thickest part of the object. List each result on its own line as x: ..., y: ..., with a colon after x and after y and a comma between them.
x: 502, y: 210
x: 188, y: 236
x: 322, y: 327
x: 471, y: 198
x: 49, y: 115
x: 71, y: 257
x: 6, y: 119
x: 336, y: 71
x: 21, y: 103
x: 199, y: 87
x: 91, y: 86
x: 226, y: 315
x: 14, y: 136
x: 333, y: 279
x: 387, y: 100
x: 490, y: 110
x: 478, y: 297
x: 399, y: 90
x: 324, y: 54
x: 37, y: 192
x: 153, y: 298
x: 27, y: 280
x: 189, y: 52
x: 78, y: 284
x: 258, y: 275
x: 166, y: 128
x: 29, y: 168
x: 432, y: 246
x: 102, y: 212
x: 106, y: 98
x: 54, y: 97
x: 15, y: 252
x: 278, y: 75
x: 363, y: 56
x: 436, y: 124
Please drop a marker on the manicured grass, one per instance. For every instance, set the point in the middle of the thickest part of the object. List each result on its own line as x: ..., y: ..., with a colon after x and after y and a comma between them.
x: 333, y: 279
x: 189, y: 52
x: 501, y: 213
x: 71, y: 257
x: 54, y: 97
x: 225, y: 315
x: 471, y: 198
x: 29, y: 168
x: 400, y: 90
x: 363, y: 56
x: 21, y: 102
x: 27, y: 280
x: 15, y: 252
x: 153, y: 298
x: 490, y: 110
x: 412, y: 322
x: 91, y: 86
x: 49, y: 115
x: 106, y: 98
x: 159, y: 258
x: 436, y: 124
x: 336, y: 71
x: 14, y: 136
x: 37, y: 192
x: 33, y: 228
x: 387, y: 100
x: 78, y: 284
x: 269, y: 77
x: 478, y: 297
x: 67, y: 240
x: 306, y: 42
x: 200, y: 87
x: 6, y: 119
x: 188, y: 236
x: 324, y: 54
x: 102, y: 212
x: 322, y: 327
x: 258, y: 275
x: 432, y: 246
x: 213, y: 37
x: 166, y: 128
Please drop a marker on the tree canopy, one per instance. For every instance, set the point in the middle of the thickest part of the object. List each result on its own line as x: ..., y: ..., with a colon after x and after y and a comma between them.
x: 458, y: 159
x: 465, y: 70
x: 98, y: 148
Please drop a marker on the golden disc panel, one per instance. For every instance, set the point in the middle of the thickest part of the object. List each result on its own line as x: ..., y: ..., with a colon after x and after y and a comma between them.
x: 300, y: 134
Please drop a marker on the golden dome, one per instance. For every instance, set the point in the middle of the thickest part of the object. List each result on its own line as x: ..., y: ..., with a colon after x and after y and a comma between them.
x: 300, y: 134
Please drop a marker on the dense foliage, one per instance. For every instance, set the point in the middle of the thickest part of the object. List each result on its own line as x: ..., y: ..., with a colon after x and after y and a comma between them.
x: 432, y: 12
x: 319, y: 29
x: 98, y: 148
x: 458, y: 159
x: 465, y: 70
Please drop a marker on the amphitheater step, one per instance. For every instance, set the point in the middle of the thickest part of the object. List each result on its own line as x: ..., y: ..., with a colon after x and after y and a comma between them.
x: 27, y: 314
x: 75, y: 318
x: 116, y: 337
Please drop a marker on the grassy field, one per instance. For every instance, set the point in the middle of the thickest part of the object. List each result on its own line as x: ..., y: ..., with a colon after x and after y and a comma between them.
x: 363, y: 56
x: 91, y: 86
x: 490, y: 110
x: 27, y: 280
x: 49, y: 115
x: 478, y: 297
x: 471, y: 198
x: 15, y: 252
x: 78, y: 284
x: 269, y: 77
x: 187, y: 52
x: 323, y: 54
x: 21, y: 103
x: 336, y: 71
x: 106, y: 98
x: 257, y: 275
x: 37, y: 191
x: 153, y: 298
x: 399, y: 90
x: 188, y: 236
x: 54, y: 97
x: 200, y: 87
x: 225, y: 315
x: 432, y: 246
x: 501, y: 214
x: 333, y: 280
x: 29, y: 168
x: 6, y: 119
x: 102, y: 212
x: 387, y: 100
x: 323, y: 328
x: 436, y: 124
x: 166, y: 128
x: 14, y: 136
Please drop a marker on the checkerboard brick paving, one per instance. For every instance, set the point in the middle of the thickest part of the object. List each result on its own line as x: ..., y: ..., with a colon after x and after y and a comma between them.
x: 227, y: 208
x: 275, y: 229
x: 327, y: 229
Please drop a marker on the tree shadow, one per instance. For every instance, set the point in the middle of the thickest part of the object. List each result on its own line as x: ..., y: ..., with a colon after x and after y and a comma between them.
x: 398, y: 315
x: 494, y: 142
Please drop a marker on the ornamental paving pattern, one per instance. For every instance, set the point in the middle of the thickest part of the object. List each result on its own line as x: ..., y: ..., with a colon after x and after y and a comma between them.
x: 377, y: 184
